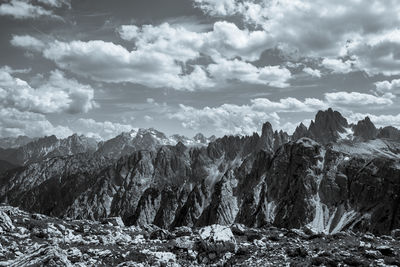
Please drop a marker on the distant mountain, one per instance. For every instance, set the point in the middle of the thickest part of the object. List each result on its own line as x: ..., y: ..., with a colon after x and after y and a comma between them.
x: 15, y: 142
x: 47, y: 147
x: 330, y: 177
x: 146, y: 139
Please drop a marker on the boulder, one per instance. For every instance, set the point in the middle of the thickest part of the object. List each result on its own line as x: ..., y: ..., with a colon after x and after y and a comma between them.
x: 217, y: 238
x: 160, y: 234
x: 5, y: 222
x: 396, y: 233
x: 238, y: 229
x: 182, y: 231
x: 115, y: 221
x: 183, y: 242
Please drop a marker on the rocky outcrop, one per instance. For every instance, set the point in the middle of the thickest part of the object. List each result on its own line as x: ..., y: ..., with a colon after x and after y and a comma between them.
x: 327, y: 126
x: 301, y: 131
x: 5, y: 222
x: 217, y: 238
x: 365, y: 129
x: 38, y: 240
x: 389, y: 132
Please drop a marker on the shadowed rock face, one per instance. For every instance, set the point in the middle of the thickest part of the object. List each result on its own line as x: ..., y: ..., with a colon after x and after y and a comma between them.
x: 255, y: 180
x: 365, y: 129
x: 327, y: 126
x: 389, y: 132
x: 301, y: 131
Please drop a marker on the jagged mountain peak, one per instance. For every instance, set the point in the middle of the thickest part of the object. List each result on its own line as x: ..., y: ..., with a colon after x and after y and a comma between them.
x: 330, y: 119
x: 267, y: 129
x: 365, y: 129
x: 328, y: 126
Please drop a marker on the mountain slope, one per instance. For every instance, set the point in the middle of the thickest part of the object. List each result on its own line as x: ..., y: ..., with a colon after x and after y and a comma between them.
x: 323, y: 182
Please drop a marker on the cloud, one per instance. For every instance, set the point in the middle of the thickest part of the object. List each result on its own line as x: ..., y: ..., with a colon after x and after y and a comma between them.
x: 55, y: 94
x: 224, y: 40
x: 393, y: 86
x: 154, y: 63
x: 246, y: 119
x: 148, y: 118
x: 378, y: 120
x: 242, y: 119
x: 312, y: 72
x: 99, y: 130
x: 225, y: 119
x: 56, y: 3
x: 112, y: 63
x: 226, y: 70
x: 14, y: 122
x: 19, y: 9
x: 337, y: 65
x: 28, y: 42
x: 366, y: 31
x: 356, y: 99
x: 377, y: 53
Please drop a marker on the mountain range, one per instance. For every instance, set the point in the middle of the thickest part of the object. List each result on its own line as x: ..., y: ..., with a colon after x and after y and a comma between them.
x: 328, y: 177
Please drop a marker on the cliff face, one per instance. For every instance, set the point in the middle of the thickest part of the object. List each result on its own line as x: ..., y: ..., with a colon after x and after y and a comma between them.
x: 257, y: 180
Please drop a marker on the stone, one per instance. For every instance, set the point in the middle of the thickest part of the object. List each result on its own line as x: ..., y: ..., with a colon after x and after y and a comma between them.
x: 115, y: 221
x: 183, y: 242
x: 396, y: 234
x: 385, y: 250
x: 161, y: 234
x: 217, y: 238
x: 238, y: 229
x: 5, y: 222
x: 182, y: 231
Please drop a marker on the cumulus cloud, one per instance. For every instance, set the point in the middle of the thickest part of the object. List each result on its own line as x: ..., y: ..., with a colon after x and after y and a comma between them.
x: 377, y: 53
x: 337, y: 65
x: 28, y: 42
x: 56, y: 3
x: 161, y: 62
x: 99, y: 130
x: 312, y: 72
x: 384, y: 87
x: 356, y: 99
x: 112, y: 63
x: 226, y: 70
x: 55, y: 94
x: 246, y: 119
x: 225, y: 39
x: 20, y: 9
x: 242, y: 119
x: 378, y: 120
x: 225, y: 119
x: 14, y: 122
x: 366, y: 31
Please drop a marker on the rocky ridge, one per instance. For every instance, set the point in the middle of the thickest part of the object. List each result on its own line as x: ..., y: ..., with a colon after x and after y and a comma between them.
x: 31, y: 239
x: 271, y: 179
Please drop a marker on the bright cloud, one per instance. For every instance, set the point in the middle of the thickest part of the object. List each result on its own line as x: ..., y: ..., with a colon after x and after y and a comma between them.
x: 388, y: 86
x: 246, y: 119
x: 366, y: 31
x: 56, y: 94
x: 99, y: 130
x: 355, y: 99
x: 20, y: 9
x: 14, y: 122
x: 226, y: 70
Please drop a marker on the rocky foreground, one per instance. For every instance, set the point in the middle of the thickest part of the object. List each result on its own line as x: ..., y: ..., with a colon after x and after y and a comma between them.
x: 36, y: 240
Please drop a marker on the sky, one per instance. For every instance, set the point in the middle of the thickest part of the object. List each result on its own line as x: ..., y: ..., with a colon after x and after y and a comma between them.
x: 99, y: 67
